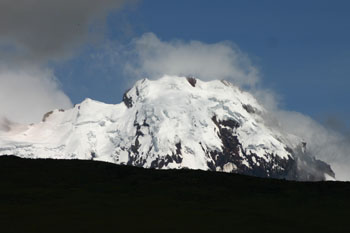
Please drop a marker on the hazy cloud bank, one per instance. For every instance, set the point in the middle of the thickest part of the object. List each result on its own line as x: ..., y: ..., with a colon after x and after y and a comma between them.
x: 324, y: 143
x: 33, y: 33
x: 26, y: 94
x: 44, y: 30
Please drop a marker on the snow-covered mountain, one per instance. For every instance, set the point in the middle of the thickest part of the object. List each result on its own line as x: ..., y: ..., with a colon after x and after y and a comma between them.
x: 170, y: 123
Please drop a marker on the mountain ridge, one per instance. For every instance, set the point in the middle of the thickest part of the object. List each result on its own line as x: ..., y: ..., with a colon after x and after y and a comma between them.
x: 171, y: 123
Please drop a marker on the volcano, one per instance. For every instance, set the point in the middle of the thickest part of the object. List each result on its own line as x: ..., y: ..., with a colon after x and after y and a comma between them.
x: 171, y: 123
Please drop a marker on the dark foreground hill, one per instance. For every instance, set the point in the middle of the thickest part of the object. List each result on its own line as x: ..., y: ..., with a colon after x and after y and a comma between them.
x: 90, y: 196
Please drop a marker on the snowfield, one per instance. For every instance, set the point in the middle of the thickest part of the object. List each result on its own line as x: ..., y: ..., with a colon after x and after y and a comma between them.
x: 170, y: 123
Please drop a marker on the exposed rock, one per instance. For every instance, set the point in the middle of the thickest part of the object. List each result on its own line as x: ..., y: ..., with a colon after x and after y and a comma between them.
x: 299, y: 166
x: 249, y: 108
x: 46, y: 115
x: 192, y: 81
x: 127, y: 100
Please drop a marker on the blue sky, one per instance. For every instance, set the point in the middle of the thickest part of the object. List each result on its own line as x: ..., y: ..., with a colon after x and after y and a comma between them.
x: 301, y: 48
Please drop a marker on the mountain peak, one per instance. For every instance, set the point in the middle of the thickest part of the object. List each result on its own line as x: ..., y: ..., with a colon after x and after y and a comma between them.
x: 171, y: 123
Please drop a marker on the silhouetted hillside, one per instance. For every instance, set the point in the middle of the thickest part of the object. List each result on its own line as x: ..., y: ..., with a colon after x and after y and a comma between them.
x: 90, y: 196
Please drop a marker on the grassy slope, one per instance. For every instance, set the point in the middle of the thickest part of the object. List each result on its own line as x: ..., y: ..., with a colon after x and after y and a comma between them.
x: 87, y: 196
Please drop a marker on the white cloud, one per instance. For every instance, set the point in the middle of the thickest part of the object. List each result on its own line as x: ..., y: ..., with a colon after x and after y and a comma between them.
x: 325, y: 144
x: 33, y: 33
x: 26, y: 94
x: 152, y: 57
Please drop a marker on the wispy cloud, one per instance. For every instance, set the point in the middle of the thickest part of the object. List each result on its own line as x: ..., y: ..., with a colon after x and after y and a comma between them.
x: 34, y: 33
x: 26, y: 94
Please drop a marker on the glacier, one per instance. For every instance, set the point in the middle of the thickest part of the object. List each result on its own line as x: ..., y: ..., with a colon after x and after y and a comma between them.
x: 170, y: 123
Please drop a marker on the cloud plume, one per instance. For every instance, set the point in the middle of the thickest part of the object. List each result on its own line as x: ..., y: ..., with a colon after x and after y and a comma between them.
x: 326, y: 144
x: 27, y: 94
x: 152, y: 57
x: 331, y: 145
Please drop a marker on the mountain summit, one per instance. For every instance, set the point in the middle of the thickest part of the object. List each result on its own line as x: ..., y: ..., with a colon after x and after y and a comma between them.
x: 170, y: 123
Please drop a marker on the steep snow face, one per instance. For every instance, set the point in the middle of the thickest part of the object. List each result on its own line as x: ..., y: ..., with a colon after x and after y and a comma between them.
x: 170, y: 123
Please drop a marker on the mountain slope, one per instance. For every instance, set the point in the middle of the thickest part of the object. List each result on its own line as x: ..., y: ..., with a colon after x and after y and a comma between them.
x: 89, y: 196
x: 170, y: 123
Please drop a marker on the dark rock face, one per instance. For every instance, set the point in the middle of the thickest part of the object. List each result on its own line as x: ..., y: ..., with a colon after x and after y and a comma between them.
x: 46, y: 115
x: 127, y: 100
x: 93, y: 155
x: 299, y: 166
x: 244, y: 161
x: 308, y: 168
x: 135, y: 159
x: 249, y: 108
x: 192, y: 81
x: 174, y: 157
